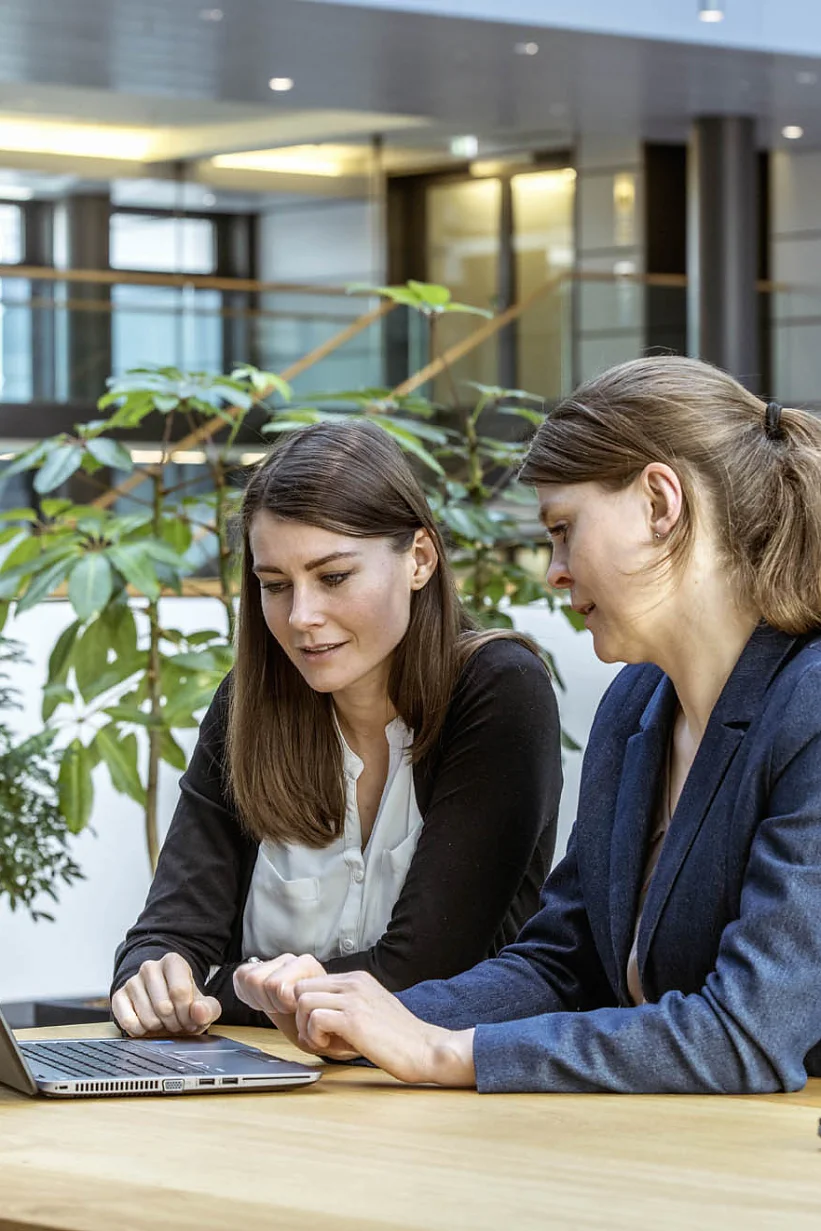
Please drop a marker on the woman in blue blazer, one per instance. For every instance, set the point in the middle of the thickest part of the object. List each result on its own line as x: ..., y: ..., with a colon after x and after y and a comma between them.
x: 678, y: 944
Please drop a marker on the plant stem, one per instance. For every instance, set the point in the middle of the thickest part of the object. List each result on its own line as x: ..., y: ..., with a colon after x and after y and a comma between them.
x: 153, y: 682
x: 152, y: 837
x: 223, y: 550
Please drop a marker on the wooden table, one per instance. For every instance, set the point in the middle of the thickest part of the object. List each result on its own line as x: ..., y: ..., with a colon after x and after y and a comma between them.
x: 359, y: 1152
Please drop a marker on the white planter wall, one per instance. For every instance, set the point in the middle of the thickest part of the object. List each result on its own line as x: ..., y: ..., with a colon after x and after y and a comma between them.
x: 73, y: 955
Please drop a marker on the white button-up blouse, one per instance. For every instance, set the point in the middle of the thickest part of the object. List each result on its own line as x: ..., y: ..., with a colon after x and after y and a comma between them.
x: 338, y: 900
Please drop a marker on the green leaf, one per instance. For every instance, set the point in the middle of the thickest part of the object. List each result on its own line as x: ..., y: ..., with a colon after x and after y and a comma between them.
x: 535, y: 417
x: 90, y: 659
x: 53, y: 506
x: 166, y: 402
x: 177, y: 533
x: 75, y: 788
x: 42, y: 584
x: 461, y: 521
x: 19, y: 515
x: 90, y: 585
x: 430, y: 293
x: 471, y: 311
x: 203, y: 636
x: 60, y: 659
x: 410, y: 444
x: 131, y: 560
x: 199, y: 660
x: 118, y: 618
x: 119, y: 754
x: 569, y: 742
x: 110, y: 452
x: 60, y: 465
x: 263, y: 383
x: 574, y: 618
x: 171, y: 752
x: 54, y: 695
x: 116, y: 673
x: 26, y: 460
x: 423, y: 431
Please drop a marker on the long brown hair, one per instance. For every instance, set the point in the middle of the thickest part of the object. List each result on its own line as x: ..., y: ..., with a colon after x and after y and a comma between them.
x: 284, y: 757
x: 761, y: 489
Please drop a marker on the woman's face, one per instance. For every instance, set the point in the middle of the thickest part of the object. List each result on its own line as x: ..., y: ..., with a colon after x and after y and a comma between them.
x: 337, y: 605
x: 603, y: 543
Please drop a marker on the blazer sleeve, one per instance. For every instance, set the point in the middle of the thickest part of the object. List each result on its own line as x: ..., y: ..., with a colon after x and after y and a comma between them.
x: 750, y: 1027
x: 494, y: 798
x: 552, y: 967
x: 200, y: 882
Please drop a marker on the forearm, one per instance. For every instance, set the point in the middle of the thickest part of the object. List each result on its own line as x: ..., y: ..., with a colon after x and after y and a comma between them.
x: 501, y: 989
x: 681, y: 1045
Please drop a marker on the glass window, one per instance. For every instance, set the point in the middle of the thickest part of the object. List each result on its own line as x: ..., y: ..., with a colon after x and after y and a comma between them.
x: 463, y: 255
x: 11, y: 234
x: 162, y: 243
x: 543, y: 243
x: 166, y: 326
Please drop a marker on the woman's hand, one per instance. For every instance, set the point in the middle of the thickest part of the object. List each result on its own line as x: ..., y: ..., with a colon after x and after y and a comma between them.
x: 162, y: 997
x: 352, y: 1014
x: 269, y: 986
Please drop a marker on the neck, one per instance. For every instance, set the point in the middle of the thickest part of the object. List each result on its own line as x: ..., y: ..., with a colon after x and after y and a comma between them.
x: 702, y: 643
x: 364, y: 710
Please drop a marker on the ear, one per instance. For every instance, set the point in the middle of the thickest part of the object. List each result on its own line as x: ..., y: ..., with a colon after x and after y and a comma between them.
x: 425, y: 559
x: 662, y: 489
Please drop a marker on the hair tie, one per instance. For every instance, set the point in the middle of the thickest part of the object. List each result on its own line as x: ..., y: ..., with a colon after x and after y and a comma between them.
x: 772, y: 421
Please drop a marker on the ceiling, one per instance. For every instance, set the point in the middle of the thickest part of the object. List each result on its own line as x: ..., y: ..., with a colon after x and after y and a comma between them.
x: 195, y: 86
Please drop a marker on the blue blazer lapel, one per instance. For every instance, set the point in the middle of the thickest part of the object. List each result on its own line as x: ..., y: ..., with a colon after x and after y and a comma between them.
x: 642, y: 768
x: 737, y: 705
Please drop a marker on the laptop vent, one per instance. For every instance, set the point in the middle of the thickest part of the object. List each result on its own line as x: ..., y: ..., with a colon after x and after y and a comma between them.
x: 121, y: 1086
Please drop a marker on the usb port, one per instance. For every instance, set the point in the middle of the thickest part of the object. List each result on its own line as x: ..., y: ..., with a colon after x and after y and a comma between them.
x: 230, y: 1081
x: 208, y: 1081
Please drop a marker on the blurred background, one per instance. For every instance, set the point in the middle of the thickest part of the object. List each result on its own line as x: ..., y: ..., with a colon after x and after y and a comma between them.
x: 201, y: 187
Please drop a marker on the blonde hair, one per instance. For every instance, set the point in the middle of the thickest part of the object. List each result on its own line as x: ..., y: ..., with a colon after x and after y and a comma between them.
x: 757, y: 476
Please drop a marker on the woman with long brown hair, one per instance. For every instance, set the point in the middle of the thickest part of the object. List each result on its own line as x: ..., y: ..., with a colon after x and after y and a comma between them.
x: 376, y: 783
x: 678, y: 944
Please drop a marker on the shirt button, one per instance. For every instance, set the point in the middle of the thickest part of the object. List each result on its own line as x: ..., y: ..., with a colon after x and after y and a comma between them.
x: 347, y: 945
x: 358, y: 875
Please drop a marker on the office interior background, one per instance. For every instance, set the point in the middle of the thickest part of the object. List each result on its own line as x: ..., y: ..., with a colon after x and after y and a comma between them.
x: 199, y: 187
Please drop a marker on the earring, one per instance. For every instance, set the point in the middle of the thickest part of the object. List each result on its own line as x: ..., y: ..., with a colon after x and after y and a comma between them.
x: 657, y: 535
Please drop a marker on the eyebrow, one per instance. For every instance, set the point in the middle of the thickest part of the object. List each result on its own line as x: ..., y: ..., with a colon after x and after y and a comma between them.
x: 312, y: 564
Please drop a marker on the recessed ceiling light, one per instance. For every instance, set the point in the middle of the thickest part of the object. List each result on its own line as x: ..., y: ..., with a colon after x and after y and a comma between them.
x: 710, y: 10
x: 793, y: 132
x: 806, y: 78
x: 281, y: 85
x: 464, y: 147
x: 526, y: 49
x: 211, y: 14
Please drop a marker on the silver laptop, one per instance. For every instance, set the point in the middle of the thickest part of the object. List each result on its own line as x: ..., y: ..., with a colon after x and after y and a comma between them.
x: 198, y: 1064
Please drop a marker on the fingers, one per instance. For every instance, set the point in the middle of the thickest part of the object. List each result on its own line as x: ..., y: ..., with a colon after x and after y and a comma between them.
x: 163, y: 996
x: 269, y: 986
x: 132, y: 1010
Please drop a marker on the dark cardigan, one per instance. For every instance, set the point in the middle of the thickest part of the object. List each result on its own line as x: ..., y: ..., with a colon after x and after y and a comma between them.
x: 488, y: 795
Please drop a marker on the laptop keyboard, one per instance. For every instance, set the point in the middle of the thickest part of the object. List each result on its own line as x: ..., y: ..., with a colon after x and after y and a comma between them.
x: 105, y: 1058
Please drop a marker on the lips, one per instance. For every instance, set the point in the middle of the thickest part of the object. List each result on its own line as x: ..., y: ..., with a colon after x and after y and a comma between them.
x: 320, y: 651
x: 584, y: 609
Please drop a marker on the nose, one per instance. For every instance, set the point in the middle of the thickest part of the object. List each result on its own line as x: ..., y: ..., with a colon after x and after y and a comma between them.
x: 558, y: 575
x: 305, y: 612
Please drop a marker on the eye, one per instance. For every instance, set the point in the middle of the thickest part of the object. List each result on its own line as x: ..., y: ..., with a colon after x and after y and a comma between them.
x: 274, y: 587
x: 334, y: 579
x: 557, y: 531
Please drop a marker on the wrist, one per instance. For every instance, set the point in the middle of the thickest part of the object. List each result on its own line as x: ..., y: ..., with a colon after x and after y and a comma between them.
x: 452, y: 1057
